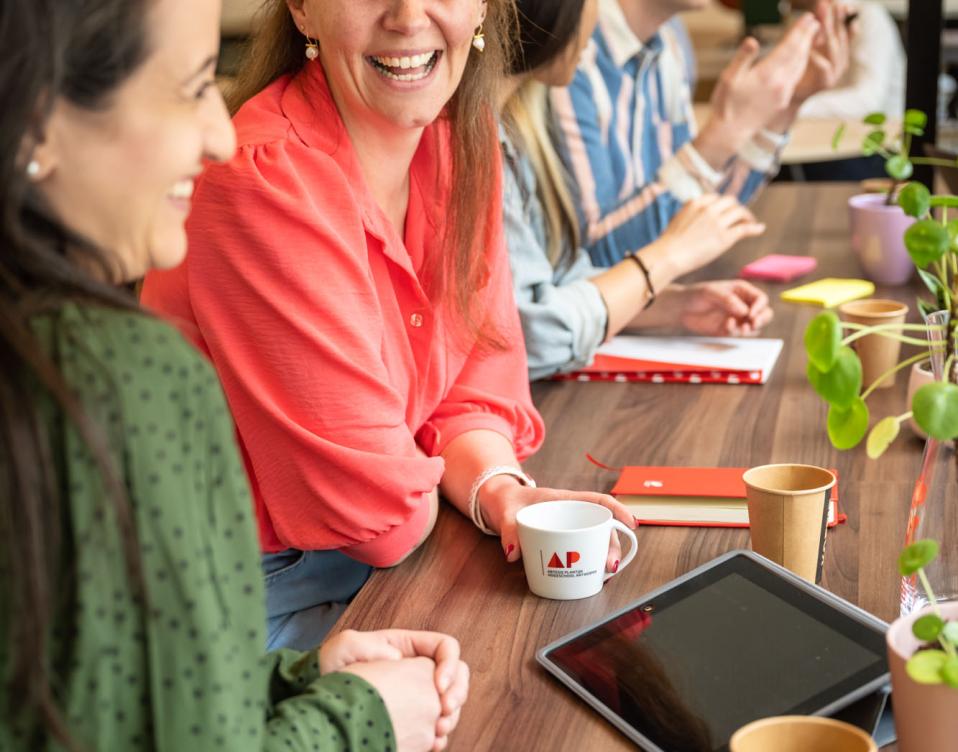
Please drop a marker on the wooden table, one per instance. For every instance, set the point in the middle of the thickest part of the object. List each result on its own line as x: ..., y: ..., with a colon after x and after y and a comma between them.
x: 459, y: 582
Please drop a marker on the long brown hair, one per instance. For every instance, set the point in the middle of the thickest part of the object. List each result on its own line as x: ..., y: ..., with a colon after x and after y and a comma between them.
x: 78, y: 51
x: 277, y: 50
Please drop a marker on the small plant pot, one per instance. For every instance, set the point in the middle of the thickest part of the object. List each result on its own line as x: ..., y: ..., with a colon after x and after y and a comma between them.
x: 878, y: 239
x: 926, y: 715
x: 920, y: 375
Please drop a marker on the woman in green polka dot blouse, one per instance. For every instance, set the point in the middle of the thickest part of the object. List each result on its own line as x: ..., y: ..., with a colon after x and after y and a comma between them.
x: 131, y: 599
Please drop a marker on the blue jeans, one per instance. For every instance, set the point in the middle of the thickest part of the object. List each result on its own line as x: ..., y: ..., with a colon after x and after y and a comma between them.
x: 306, y: 592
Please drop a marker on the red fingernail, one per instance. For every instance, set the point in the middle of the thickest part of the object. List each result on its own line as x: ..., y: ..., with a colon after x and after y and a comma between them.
x: 615, y: 567
x: 510, y: 549
x: 636, y: 521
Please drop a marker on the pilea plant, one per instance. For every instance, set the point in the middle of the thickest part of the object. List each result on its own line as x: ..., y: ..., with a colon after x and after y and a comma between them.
x: 834, y: 369
x: 937, y: 664
x: 895, y: 149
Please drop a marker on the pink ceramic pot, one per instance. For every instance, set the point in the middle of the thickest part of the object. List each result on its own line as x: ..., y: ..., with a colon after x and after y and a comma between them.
x: 926, y: 715
x: 877, y: 238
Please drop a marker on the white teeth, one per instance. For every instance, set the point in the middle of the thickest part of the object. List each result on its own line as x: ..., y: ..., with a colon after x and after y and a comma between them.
x: 183, y: 189
x: 406, y: 61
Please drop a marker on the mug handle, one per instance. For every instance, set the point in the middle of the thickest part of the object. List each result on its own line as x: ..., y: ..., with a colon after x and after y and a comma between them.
x: 633, y: 547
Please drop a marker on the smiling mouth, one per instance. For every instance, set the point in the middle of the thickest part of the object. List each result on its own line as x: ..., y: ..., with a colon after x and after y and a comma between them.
x: 406, y: 67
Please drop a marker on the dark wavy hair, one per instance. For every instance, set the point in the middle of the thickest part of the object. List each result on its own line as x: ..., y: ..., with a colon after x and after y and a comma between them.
x: 546, y: 28
x: 77, y: 51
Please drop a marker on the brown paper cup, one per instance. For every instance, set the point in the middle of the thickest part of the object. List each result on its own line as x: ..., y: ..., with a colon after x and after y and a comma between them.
x: 801, y: 733
x: 876, y: 353
x: 787, y: 513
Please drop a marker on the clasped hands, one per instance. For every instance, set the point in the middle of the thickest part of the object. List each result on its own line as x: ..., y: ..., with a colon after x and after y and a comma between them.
x: 419, y: 675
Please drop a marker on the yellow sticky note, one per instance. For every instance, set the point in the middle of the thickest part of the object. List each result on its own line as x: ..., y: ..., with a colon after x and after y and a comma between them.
x: 830, y: 292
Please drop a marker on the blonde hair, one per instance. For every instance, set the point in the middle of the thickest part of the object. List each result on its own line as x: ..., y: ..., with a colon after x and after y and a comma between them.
x: 277, y: 50
x: 528, y: 119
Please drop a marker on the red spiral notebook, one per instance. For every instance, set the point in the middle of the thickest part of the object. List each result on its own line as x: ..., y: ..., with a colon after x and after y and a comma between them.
x: 683, y: 360
x: 693, y: 496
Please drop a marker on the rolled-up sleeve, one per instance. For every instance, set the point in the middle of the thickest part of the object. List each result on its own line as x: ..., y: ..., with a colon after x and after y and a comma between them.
x: 562, y: 314
x: 281, y: 289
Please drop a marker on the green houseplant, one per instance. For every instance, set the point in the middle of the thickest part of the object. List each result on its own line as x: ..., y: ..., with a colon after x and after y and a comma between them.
x: 923, y: 659
x: 877, y: 223
x: 895, y: 149
x: 834, y: 369
x: 835, y: 372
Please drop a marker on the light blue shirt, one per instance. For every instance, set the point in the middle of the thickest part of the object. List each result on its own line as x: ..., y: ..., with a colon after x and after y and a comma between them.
x: 563, y: 315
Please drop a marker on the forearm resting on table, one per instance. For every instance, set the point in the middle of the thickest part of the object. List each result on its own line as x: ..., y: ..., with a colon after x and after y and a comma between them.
x: 432, y: 499
x: 624, y: 289
x: 665, y: 313
x: 467, y: 456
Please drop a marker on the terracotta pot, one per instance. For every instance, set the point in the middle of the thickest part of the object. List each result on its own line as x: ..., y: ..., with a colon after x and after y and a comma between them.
x: 920, y: 375
x: 926, y: 715
x: 878, y: 238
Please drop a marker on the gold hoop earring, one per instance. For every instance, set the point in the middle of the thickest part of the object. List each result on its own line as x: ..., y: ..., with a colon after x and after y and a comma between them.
x: 479, y: 39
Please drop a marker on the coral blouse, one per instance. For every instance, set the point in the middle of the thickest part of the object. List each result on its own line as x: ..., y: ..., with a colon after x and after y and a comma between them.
x: 335, y: 363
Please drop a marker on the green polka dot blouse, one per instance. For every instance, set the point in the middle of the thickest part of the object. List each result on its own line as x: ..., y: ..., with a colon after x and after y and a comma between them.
x: 185, y: 670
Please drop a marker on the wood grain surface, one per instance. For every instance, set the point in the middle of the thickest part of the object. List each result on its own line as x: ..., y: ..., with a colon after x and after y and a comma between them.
x: 460, y: 583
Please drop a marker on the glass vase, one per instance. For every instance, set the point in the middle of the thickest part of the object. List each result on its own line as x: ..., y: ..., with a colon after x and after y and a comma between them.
x: 934, y: 504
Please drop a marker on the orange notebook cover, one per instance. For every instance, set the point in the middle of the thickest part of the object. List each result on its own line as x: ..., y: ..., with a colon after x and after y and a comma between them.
x: 692, y: 496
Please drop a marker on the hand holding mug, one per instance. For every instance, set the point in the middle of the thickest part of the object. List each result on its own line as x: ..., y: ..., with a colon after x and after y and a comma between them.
x: 502, y: 497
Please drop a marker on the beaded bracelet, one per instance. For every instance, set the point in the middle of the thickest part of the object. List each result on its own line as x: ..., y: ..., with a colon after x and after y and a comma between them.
x: 648, y: 278
x: 475, y: 510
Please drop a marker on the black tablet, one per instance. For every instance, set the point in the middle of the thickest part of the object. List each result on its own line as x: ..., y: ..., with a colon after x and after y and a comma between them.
x: 737, y: 639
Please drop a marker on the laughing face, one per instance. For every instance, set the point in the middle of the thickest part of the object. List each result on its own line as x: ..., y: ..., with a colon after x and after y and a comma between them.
x: 391, y: 63
x: 122, y: 176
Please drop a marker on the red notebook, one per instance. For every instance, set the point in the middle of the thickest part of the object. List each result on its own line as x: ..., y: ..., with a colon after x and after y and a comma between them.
x: 685, y: 360
x: 693, y: 496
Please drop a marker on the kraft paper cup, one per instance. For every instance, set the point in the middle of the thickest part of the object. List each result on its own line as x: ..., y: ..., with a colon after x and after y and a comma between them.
x: 787, y: 513
x: 877, y: 353
x: 801, y: 733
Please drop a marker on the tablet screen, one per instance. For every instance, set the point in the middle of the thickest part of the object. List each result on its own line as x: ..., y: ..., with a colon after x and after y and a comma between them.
x: 736, y: 643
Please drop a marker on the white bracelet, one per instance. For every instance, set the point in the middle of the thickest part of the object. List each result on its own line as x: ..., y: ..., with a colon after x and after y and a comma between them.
x: 475, y: 511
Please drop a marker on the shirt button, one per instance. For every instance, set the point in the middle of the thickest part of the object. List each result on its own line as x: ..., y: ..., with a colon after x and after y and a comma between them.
x: 416, y: 320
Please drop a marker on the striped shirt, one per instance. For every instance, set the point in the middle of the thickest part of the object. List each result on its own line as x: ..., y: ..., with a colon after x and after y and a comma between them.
x: 626, y: 127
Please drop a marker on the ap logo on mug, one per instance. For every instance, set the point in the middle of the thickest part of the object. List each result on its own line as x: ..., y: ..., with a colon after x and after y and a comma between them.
x: 571, y: 557
x: 555, y: 567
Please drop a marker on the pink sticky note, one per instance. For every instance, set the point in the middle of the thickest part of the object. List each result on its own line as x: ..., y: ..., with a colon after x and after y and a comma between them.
x: 778, y: 268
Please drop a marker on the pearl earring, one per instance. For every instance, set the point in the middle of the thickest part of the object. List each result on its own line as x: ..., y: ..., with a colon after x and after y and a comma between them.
x: 33, y: 169
x: 479, y: 39
x: 312, y: 47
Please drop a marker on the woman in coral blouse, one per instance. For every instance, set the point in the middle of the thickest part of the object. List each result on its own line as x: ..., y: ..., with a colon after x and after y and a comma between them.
x: 349, y: 280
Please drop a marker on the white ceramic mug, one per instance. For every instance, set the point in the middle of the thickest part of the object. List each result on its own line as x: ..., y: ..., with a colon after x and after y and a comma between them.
x: 565, y: 545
